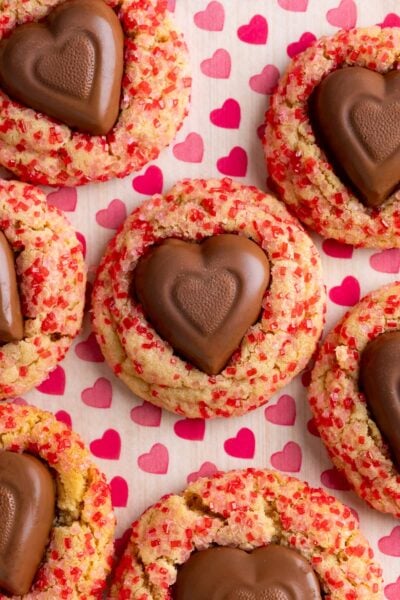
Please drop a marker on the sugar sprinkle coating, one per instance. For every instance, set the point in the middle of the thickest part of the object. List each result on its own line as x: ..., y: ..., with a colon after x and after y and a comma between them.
x: 51, y: 276
x: 351, y: 436
x: 155, y: 94
x: 299, y: 167
x: 272, y: 352
x: 79, y: 554
x: 248, y: 509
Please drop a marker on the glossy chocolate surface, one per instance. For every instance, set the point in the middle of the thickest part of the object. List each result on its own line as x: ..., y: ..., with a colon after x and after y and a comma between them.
x: 11, y: 321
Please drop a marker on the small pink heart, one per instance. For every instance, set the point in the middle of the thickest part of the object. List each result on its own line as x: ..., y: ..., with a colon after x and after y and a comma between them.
x: 335, y: 480
x: 212, y: 18
x: 119, y: 492
x: 54, y: 384
x: 392, y: 591
x: 344, y: 16
x: 207, y: 469
x: 391, y: 20
x: 156, y: 461
x: 390, y: 545
x: 218, y: 66
x: 255, y: 32
x: 150, y: 183
x: 302, y: 44
x: 64, y: 198
x: 171, y: 5
x: 228, y: 116
x: 89, y: 350
x: 98, y: 396
x: 283, y: 412
x: 347, y: 293
x: 387, y: 261
x: 190, y: 429
x: 289, y: 459
x: 19, y: 402
x: 266, y: 81
x: 191, y: 149
x: 113, y: 216
x: 294, y: 5
x: 82, y: 240
x: 235, y: 164
x: 241, y: 446
x: 63, y: 417
x: 108, y: 446
x: 312, y: 428
x: 337, y: 249
x: 146, y: 414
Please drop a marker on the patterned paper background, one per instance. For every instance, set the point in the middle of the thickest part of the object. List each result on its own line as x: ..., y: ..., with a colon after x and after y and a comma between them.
x: 238, y: 48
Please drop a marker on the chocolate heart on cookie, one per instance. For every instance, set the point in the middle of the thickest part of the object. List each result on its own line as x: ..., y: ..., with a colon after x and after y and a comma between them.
x: 356, y: 114
x: 269, y: 573
x: 202, y: 298
x: 69, y: 66
x: 11, y: 321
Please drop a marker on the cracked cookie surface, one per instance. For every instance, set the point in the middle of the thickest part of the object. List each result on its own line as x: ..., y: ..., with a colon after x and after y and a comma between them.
x: 154, y: 101
x: 51, y: 277
x: 298, y: 166
x: 272, y: 351
x: 352, y: 438
x: 79, y: 554
x: 248, y: 509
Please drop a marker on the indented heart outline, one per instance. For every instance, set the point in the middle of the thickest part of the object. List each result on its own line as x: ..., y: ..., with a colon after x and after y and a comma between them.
x: 8, y: 508
x: 382, y: 152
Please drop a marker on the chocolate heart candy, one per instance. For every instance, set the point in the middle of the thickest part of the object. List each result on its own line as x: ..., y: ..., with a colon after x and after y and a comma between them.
x: 269, y: 573
x: 202, y: 298
x: 380, y: 382
x: 68, y: 67
x: 27, y: 501
x: 11, y: 321
x: 356, y: 113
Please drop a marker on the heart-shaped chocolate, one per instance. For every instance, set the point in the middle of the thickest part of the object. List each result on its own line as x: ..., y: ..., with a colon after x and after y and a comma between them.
x: 356, y: 113
x: 380, y: 382
x: 269, y: 573
x: 27, y: 504
x: 11, y: 321
x: 202, y: 298
x: 68, y: 67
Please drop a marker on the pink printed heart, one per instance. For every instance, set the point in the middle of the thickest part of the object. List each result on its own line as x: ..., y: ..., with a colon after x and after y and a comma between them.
x: 63, y: 417
x: 235, y: 164
x: 391, y: 20
x: 344, y: 16
x: 283, y: 412
x: 392, y: 591
x: 207, y: 469
x: 337, y: 249
x: 304, y: 42
x: 113, y: 216
x: 191, y: 149
x: 334, y: 480
x: 266, y: 81
x: 119, y: 492
x: 347, y: 293
x: 19, y: 402
x: 387, y: 261
x: 156, y: 461
x: 98, y: 396
x: 312, y: 428
x: 390, y: 545
x: 218, y: 66
x: 243, y: 445
x: 108, y: 446
x: 147, y: 415
x: 64, y: 199
x: 171, y: 5
x: 255, y: 32
x: 89, y: 350
x: 190, y: 429
x: 294, y: 5
x: 82, y: 240
x: 289, y: 459
x: 54, y: 384
x: 228, y: 116
x: 212, y: 18
x: 150, y: 183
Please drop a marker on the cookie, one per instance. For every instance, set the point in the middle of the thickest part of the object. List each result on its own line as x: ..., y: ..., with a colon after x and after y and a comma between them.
x: 42, y: 289
x: 119, y: 88
x: 78, y: 555
x: 332, y: 141
x: 198, y: 296
x: 354, y: 397
x: 312, y: 538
